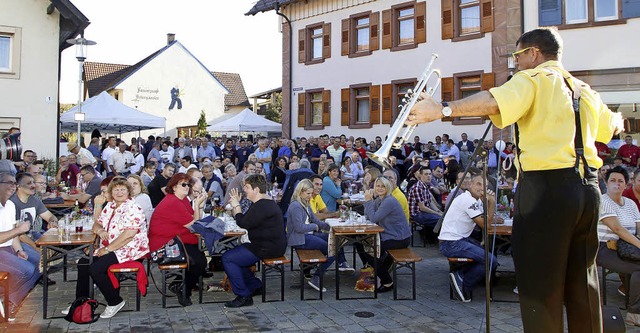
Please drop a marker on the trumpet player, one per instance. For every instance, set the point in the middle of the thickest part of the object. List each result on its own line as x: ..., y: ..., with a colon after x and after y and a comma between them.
x: 554, y: 239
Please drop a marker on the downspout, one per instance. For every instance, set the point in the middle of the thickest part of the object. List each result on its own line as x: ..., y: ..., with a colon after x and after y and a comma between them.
x: 277, y: 8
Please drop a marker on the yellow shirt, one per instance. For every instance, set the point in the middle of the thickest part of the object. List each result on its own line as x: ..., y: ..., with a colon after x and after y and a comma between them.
x: 402, y: 199
x: 540, y: 103
x: 317, y: 204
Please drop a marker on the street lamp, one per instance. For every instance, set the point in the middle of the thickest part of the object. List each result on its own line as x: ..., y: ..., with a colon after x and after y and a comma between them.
x: 511, y: 65
x: 81, y: 54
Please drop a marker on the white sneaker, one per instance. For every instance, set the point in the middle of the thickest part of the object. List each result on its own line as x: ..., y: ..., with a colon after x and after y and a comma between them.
x: 66, y: 311
x: 344, y: 267
x: 315, y: 283
x: 515, y: 290
x: 111, y: 311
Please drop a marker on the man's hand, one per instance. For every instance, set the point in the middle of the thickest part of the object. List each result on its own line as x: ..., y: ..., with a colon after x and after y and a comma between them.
x: 425, y: 111
x: 23, y: 227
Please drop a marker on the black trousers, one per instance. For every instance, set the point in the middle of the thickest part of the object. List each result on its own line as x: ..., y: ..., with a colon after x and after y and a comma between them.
x: 385, y: 261
x: 197, y: 266
x: 98, y: 272
x: 554, y: 250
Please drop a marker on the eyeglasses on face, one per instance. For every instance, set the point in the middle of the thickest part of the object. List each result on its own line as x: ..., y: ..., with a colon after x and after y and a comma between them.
x: 185, y: 185
x: 10, y: 183
x: 517, y: 54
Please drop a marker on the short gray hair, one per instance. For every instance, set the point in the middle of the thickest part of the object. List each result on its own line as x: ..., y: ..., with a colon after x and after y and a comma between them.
x: 304, y: 163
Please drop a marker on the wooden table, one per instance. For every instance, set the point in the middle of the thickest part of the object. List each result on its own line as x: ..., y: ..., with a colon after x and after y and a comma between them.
x: 367, y: 235
x: 60, y: 209
x: 77, y: 244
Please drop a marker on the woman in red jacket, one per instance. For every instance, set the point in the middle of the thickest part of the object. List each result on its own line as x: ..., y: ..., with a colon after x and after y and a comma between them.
x: 173, y: 216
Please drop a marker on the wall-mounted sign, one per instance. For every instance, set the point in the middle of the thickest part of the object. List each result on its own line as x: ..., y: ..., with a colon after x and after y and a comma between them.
x: 297, y: 89
x: 144, y: 94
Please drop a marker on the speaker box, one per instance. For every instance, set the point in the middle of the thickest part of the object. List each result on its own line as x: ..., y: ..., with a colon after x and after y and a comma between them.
x: 612, y: 320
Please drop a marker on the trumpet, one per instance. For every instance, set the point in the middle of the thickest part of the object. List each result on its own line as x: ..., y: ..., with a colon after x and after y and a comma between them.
x: 399, y: 134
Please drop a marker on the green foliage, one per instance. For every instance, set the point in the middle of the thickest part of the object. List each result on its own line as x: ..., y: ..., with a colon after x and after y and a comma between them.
x: 202, y: 125
x: 274, y: 108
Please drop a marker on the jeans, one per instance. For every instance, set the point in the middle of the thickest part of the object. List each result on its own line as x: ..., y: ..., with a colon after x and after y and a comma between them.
x: 23, y: 274
x: 98, y: 272
x: 319, y: 241
x: 385, y: 261
x: 236, y: 263
x: 426, y: 219
x: 472, y: 273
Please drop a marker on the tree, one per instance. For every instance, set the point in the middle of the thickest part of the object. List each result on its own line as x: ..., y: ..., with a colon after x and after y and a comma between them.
x: 202, y: 125
x: 274, y: 108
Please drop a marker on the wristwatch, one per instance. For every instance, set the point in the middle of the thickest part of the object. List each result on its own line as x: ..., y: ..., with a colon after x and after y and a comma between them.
x: 446, y: 110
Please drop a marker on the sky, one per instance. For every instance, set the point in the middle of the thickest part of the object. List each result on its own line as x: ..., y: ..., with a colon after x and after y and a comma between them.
x: 215, y: 31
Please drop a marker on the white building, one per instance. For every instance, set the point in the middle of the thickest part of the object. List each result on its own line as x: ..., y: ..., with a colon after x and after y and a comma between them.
x: 32, y: 36
x: 170, y: 83
x: 352, y: 61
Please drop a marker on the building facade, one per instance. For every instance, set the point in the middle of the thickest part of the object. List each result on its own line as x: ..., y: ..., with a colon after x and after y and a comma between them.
x: 32, y: 36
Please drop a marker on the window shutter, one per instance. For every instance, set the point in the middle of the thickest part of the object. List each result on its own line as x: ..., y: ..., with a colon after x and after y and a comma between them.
x: 421, y: 23
x: 550, y: 12
x: 487, y: 16
x: 302, y: 115
x: 387, y: 105
x: 301, y: 47
x: 374, y: 104
x: 326, y: 41
x: 447, y: 19
x: 386, y: 29
x: 344, y: 107
x: 630, y: 8
x: 326, y: 108
x: 447, y: 89
x: 374, y: 39
x: 345, y: 37
x: 488, y: 81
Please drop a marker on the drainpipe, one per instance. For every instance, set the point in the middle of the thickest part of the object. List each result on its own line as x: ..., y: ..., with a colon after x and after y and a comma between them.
x: 277, y: 8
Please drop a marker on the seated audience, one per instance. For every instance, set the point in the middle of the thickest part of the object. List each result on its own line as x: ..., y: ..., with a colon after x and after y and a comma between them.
x: 30, y: 208
x: 157, y: 187
x: 141, y: 196
x: 331, y: 188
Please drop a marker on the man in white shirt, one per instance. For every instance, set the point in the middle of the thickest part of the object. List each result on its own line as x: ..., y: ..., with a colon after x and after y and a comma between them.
x: 336, y: 151
x: 107, y: 152
x: 121, y: 161
x: 185, y: 164
x: 138, y: 159
x: 466, y: 211
x: 84, y: 156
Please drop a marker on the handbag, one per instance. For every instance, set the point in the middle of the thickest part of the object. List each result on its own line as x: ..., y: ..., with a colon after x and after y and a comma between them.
x: 171, y: 253
x: 82, y: 311
x: 365, y: 280
x: 628, y: 251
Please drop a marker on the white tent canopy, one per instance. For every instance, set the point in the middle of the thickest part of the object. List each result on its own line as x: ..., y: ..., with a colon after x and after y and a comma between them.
x: 103, y: 112
x: 245, y: 121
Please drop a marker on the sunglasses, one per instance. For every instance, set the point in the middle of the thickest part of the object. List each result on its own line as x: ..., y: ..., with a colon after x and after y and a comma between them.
x: 185, y: 185
x: 516, y: 54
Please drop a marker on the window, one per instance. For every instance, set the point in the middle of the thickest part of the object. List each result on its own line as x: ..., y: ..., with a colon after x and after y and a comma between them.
x: 10, y: 42
x: 314, y: 43
x: 360, y: 106
x: 404, y: 26
x: 314, y: 109
x: 466, y: 19
x: 569, y: 14
x: 363, y: 109
x: 360, y: 34
x: 463, y: 85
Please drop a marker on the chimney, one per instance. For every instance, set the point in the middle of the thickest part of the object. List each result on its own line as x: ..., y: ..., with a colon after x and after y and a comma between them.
x: 171, y: 38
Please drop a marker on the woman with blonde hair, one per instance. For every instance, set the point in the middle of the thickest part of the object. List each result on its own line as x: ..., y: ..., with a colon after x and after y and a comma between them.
x: 304, y: 229
x: 140, y: 194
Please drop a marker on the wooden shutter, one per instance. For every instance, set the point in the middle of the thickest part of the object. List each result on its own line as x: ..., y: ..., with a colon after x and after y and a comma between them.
x: 486, y: 12
x: 488, y: 81
x: 326, y: 108
x: 386, y: 29
x: 447, y: 19
x: 374, y: 105
x: 447, y: 89
x: 345, y: 37
x: 630, y: 8
x: 344, y: 106
x: 387, y: 104
x: 302, y: 114
x: 326, y: 41
x: 301, y: 46
x: 550, y: 12
x: 374, y: 39
x: 421, y: 23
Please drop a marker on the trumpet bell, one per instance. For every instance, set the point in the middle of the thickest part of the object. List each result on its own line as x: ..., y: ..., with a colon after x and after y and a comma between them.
x: 381, y: 159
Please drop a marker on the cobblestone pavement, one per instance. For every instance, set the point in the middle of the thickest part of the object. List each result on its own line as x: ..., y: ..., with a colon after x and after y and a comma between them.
x: 432, y: 311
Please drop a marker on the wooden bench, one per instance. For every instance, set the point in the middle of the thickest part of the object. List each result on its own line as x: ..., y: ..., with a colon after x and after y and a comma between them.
x: 273, y: 268
x: 179, y: 271
x: 454, y: 265
x: 310, y: 259
x: 128, y: 274
x: 404, y: 258
x: 4, y: 283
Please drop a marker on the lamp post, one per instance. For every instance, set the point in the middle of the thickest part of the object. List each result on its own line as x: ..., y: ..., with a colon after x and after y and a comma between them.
x: 81, y: 54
